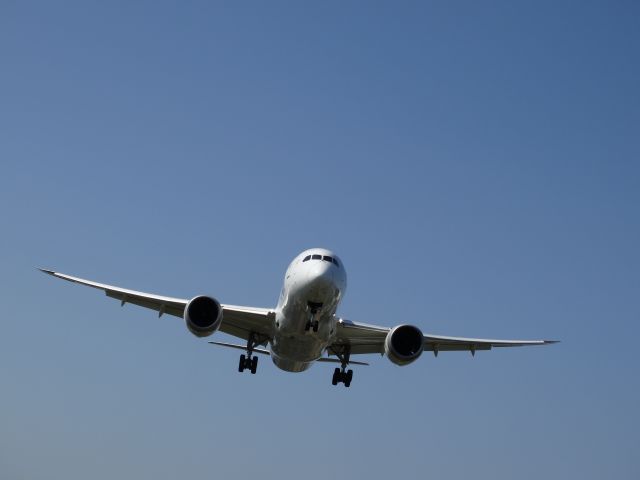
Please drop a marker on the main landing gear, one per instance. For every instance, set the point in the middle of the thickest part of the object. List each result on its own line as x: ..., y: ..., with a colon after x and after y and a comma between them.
x: 342, y: 375
x: 339, y: 375
x: 248, y: 361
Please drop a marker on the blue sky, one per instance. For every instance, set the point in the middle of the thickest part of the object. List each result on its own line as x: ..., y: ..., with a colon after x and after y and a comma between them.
x: 475, y: 166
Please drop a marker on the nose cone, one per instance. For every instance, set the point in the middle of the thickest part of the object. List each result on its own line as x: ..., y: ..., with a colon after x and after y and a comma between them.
x: 321, y: 274
x: 318, y: 283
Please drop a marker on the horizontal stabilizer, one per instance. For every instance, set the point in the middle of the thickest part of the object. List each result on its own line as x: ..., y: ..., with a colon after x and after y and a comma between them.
x: 241, y: 347
x: 335, y: 360
x: 266, y: 352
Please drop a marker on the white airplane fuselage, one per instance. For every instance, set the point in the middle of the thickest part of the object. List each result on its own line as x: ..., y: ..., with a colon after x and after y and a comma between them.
x: 314, y: 284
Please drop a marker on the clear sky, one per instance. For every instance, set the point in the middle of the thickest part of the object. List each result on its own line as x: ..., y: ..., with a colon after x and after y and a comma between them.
x: 475, y: 164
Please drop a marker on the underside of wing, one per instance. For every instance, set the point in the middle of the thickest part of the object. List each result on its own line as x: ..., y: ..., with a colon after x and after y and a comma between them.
x: 237, y: 321
x: 361, y: 338
x: 358, y: 338
x: 242, y: 322
x: 170, y: 305
x: 436, y: 343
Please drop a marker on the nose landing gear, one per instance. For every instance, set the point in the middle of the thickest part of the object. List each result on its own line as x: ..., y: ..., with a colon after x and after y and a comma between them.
x: 312, y: 323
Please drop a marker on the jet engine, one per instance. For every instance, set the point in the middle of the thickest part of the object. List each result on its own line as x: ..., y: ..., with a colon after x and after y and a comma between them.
x: 203, y: 315
x: 403, y: 344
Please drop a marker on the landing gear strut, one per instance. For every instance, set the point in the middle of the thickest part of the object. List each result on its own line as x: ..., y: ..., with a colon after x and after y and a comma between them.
x: 249, y: 361
x: 342, y: 375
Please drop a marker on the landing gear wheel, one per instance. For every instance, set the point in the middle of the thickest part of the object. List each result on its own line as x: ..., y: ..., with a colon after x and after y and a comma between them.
x: 342, y: 376
x: 311, y: 325
x: 347, y: 378
x: 336, y: 376
x: 248, y: 361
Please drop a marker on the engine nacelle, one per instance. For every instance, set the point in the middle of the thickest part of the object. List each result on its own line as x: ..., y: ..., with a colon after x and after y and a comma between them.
x: 203, y: 315
x: 403, y: 344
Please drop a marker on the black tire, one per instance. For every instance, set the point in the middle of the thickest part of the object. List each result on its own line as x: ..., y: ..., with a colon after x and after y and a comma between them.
x: 241, y: 364
x: 316, y: 324
x: 347, y: 378
x: 254, y: 365
x: 336, y: 374
x: 307, y: 326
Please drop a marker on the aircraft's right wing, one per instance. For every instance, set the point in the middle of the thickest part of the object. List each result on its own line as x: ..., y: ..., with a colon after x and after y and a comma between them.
x: 237, y: 321
x: 360, y: 338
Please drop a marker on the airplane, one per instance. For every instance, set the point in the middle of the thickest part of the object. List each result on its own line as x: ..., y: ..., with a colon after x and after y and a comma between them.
x: 303, y: 326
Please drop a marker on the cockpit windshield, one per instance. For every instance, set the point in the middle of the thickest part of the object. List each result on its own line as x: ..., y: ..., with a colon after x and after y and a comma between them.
x: 325, y: 258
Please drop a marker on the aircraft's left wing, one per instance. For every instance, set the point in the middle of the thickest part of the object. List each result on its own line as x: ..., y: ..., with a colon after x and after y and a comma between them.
x: 361, y: 338
x: 237, y: 321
